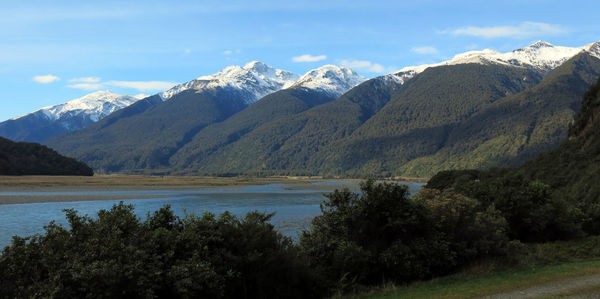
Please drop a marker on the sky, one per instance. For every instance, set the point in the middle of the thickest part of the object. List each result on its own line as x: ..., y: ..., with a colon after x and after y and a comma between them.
x: 55, y: 51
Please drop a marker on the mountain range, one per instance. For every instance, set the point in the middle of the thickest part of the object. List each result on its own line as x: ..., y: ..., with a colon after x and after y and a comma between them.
x: 148, y: 133
x: 479, y: 109
x: 55, y: 120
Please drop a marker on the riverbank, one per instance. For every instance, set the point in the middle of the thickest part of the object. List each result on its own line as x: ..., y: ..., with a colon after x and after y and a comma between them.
x: 98, y: 182
x: 57, y: 188
x: 33, y: 189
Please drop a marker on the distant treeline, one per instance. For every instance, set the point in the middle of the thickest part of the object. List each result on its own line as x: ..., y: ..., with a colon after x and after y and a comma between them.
x: 24, y: 158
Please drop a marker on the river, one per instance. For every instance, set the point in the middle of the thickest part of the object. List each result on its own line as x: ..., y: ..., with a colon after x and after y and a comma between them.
x: 293, y: 207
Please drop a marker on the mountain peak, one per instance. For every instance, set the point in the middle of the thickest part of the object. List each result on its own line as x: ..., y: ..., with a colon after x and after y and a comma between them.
x: 257, y: 66
x: 95, y: 106
x: 254, y: 80
x: 541, y: 55
x: 540, y: 44
x: 332, y: 79
x: 593, y: 49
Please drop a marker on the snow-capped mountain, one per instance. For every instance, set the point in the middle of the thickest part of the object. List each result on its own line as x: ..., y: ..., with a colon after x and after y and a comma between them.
x: 540, y: 55
x: 50, y: 121
x: 94, y: 106
x: 255, y: 80
x: 331, y: 79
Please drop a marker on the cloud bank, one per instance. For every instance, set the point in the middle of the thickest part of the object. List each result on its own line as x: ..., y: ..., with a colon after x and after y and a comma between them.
x: 93, y: 83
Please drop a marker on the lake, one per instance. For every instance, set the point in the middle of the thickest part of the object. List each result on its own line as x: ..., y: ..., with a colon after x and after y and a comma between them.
x: 293, y: 207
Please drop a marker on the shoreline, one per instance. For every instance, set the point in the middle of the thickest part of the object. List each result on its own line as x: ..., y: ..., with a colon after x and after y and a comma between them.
x: 132, y: 183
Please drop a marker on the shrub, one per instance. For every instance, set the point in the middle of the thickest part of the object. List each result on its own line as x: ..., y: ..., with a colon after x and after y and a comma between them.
x: 382, y: 235
x: 119, y: 256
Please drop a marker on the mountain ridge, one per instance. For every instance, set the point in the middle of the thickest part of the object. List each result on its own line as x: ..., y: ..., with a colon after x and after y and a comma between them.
x: 381, y: 127
x: 50, y: 121
x: 540, y: 55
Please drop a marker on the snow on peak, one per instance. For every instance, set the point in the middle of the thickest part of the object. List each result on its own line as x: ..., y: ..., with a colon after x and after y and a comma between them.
x: 593, y: 49
x: 541, y: 55
x: 96, y: 106
x: 540, y: 44
x: 255, y: 80
x: 332, y: 79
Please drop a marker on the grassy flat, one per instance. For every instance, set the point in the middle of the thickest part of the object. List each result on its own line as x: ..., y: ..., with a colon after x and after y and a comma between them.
x: 533, y: 280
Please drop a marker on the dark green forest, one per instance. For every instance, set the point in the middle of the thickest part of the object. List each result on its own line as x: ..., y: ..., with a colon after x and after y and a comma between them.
x: 25, y: 158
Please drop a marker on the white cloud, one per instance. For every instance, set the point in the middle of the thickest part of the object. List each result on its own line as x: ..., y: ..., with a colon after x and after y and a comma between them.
x: 45, y: 79
x: 86, y: 80
x: 523, y: 30
x: 229, y: 52
x: 93, y: 83
x: 86, y: 86
x: 366, y: 65
x: 187, y: 51
x: 424, y: 50
x: 308, y: 58
x: 143, y: 85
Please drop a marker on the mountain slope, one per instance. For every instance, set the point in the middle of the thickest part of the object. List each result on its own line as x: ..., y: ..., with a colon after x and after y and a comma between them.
x: 290, y: 144
x: 145, y: 139
x: 316, y: 87
x: 517, y: 127
x: 55, y: 120
x: 417, y: 121
x: 541, y: 56
x: 253, y: 81
x: 24, y: 158
x: 573, y: 169
x: 556, y: 194
x: 144, y: 136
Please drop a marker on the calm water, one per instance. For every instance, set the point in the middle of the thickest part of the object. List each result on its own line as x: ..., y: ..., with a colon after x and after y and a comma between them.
x: 293, y: 208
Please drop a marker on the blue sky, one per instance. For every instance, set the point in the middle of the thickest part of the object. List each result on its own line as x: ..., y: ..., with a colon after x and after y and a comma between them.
x: 55, y: 51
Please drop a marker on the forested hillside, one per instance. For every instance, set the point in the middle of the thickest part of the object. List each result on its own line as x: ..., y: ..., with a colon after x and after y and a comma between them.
x: 24, y: 158
x: 517, y: 127
x: 556, y: 194
x: 275, y: 106
x: 146, y: 134
x: 294, y: 144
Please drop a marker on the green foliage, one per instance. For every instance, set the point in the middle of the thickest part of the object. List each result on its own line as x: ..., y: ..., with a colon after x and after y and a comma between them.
x: 474, y: 230
x: 532, y: 212
x: 383, y: 235
x: 119, y: 256
x: 24, y: 158
x: 555, y: 195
